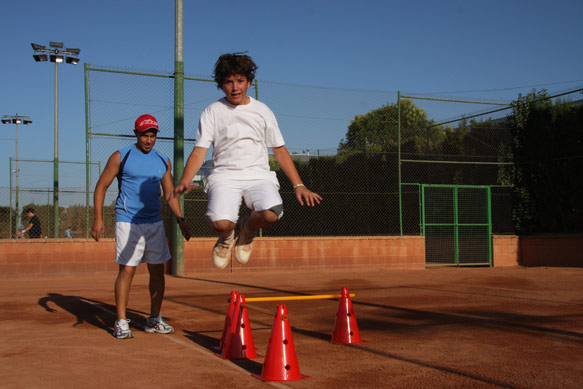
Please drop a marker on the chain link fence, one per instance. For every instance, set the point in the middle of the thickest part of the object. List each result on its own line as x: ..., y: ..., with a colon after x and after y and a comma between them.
x: 366, y: 152
x: 475, y: 149
x: 34, y: 189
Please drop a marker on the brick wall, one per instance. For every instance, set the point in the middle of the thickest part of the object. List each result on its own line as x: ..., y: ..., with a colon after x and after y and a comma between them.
x: 293, y: 253
x: 551, y: 250
x: 32, y: 257
x: 505, y: 250
x: 28, y: 257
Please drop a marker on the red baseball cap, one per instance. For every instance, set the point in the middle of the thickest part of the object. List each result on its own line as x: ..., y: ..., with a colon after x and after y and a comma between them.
x: 146, y: 122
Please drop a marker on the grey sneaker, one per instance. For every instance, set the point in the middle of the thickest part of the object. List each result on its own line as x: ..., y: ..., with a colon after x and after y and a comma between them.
x: 122, y: 329
x: 244, y: 242
x: 157, y: 325
x: 222, y: 251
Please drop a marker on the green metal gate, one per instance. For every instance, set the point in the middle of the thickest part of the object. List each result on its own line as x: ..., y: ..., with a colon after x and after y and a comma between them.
x: 457, y: 225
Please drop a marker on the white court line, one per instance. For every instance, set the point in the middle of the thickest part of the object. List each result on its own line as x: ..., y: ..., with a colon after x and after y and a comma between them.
x: 199, y: 350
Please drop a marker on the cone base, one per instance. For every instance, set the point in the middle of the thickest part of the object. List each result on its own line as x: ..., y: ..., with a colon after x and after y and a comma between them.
x: 220, y: 355
x: 361, y: 341
x: 258, y: 376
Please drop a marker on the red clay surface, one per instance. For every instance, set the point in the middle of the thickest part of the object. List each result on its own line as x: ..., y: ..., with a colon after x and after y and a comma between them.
x: 446, y: 327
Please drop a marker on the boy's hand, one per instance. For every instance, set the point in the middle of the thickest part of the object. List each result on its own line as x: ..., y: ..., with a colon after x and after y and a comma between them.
x: 180, y: 189
x: 307, y: 197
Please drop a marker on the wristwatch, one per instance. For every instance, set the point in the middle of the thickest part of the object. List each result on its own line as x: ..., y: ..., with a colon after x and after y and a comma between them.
x: 180, y: 219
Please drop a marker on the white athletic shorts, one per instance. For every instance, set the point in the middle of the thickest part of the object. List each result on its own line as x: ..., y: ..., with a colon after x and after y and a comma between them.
x: 224, y: 198
x: 140, y: 242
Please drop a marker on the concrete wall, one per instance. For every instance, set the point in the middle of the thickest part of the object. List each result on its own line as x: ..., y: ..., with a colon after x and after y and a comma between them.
x: 73, y: 256
x: 551, y: 250
x: 505, y: 250
x: 538, y: 250
x: 293, y: 253
x: 33, y: 257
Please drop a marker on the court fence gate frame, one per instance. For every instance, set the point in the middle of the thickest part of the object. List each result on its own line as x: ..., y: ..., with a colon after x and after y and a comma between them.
x: 456, y: 221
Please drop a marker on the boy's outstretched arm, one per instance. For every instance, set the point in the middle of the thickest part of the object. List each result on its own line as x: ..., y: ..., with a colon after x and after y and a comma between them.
x: 303, y: 194
x: 194, y: 163
x: 168, y: 188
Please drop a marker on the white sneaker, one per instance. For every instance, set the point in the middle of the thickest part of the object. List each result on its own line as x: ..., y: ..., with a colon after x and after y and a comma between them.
x: 222, y: 251
x: 157, y: 325
x: 122, y: 329
x: 244, y: 242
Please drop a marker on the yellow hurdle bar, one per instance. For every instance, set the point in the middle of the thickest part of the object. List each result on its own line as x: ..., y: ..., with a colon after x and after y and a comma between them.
x: 289, y: 298
x: 258, y: 309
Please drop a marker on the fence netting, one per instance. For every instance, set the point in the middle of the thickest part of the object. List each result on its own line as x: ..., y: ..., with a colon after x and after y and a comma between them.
x: 365, y: 152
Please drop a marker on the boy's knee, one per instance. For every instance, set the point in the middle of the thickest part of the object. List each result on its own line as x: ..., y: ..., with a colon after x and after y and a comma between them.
x: 273, y: 214
x: 222, y: 225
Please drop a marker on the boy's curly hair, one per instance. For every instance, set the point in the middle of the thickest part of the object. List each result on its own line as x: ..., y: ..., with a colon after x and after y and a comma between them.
x: 234, y: 63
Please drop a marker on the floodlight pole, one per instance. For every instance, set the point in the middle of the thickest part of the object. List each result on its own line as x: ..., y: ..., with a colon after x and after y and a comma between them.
x: 56, y: 158
x: 57, y: 51
x: 16, y: 120
x: 16, y: 174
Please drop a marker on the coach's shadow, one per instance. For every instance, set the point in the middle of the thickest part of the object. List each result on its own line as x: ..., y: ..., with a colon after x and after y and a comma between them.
x: 212, y: 344
x: 208, y: 342
x: 96, y: 313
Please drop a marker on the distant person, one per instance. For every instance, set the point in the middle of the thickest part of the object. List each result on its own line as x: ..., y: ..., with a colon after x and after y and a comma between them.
x: 240, y: 129
x: 68, y: 233
x: 34, y: 228
x: 139, y: 232
x: 17, y: 235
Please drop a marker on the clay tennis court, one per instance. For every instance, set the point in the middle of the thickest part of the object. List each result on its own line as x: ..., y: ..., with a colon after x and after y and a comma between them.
x: 444, y: 327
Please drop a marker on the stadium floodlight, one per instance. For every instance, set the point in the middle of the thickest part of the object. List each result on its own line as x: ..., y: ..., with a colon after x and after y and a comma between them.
x: 40, y: 57
x: 37, y: 47
x: 57, y: 56
x: 16, y: 120
x: 72, y: 60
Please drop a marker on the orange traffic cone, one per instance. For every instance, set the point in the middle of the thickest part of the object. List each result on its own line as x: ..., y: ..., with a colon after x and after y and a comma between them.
x: 345, y: 327
x: 230, y: 310
x: 281, y: 362
x: 239, y: 341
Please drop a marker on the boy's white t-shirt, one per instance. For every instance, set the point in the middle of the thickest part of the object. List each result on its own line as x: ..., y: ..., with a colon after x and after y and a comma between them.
x: 240, y: 136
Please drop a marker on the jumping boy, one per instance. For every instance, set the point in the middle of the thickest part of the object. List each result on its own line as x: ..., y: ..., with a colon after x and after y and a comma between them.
x: 240, y: 129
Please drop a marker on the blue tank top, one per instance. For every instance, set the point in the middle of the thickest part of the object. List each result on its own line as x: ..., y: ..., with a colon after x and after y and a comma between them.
x: 139, y: 184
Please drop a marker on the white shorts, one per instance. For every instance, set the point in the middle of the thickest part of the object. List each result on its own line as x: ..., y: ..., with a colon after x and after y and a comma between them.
x: 224, y: 198
x: 140, y: 242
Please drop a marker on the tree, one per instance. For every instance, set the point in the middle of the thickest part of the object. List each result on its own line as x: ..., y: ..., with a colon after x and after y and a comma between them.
x: 377, y: 131
x: 548, y: 150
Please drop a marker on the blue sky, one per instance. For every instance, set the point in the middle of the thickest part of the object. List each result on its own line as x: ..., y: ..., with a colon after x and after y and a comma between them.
x: 491, y: 49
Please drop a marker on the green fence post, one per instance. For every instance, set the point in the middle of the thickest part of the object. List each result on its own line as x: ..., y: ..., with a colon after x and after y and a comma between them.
x: 456, y: 227
x: 10, y: 195
x: 399, y: 160
x: 422, y: 197
x: 177, y: 240
x: 489, y: 205
x: 87, y: 155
